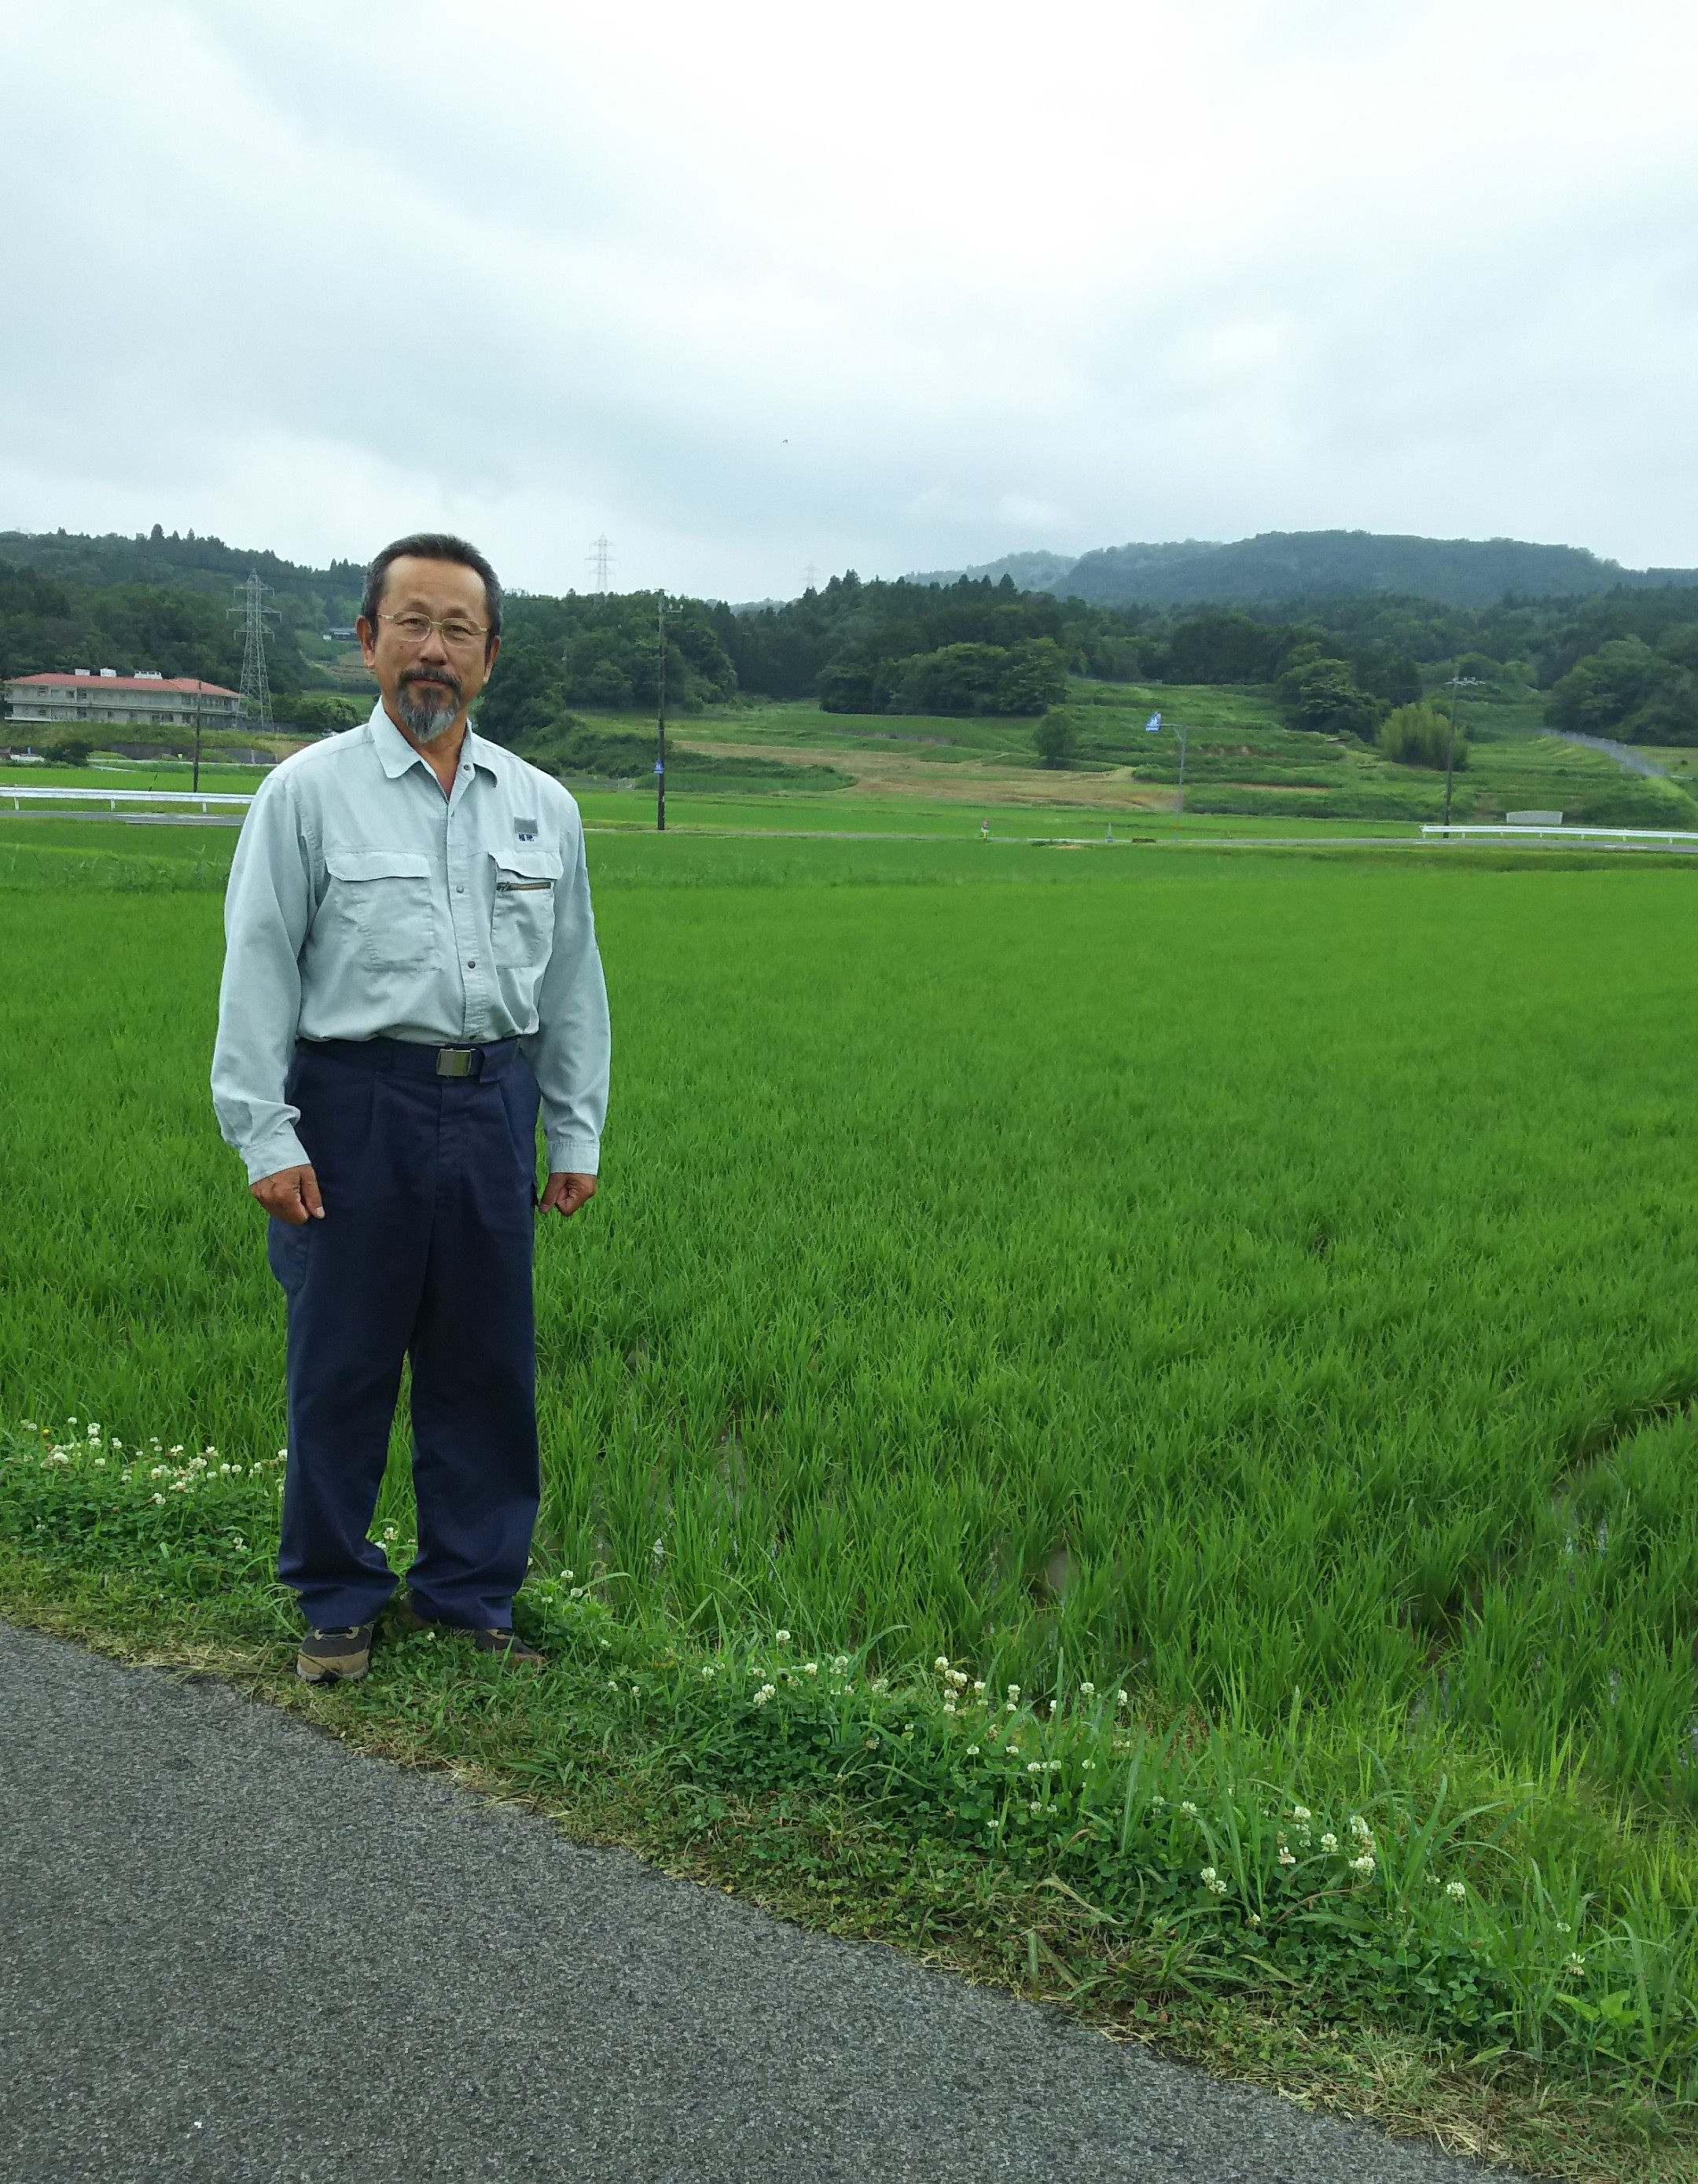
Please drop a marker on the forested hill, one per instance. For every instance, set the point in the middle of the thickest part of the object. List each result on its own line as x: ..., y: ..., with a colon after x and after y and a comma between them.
x: 186, y: 563
x: 1282, y: 567
x: 164, y: 603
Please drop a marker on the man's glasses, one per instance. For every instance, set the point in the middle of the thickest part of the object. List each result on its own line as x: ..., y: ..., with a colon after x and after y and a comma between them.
x: 457, y: 633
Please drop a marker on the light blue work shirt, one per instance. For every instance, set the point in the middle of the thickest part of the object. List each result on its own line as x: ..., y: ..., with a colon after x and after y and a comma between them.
x: 365, y: 904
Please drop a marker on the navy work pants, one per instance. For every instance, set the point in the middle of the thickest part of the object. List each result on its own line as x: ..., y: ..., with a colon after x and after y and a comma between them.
x: 424, y: 1251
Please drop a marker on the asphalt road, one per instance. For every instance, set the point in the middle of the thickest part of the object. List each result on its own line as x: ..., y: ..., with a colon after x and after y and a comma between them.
x: 231, y: 1950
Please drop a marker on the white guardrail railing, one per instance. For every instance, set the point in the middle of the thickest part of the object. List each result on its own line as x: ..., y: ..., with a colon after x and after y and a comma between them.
x: 205, y: 797
x: 1565, y: 833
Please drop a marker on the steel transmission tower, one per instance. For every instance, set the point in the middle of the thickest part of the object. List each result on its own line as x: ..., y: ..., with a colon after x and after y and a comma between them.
x: 253, y: 707
x: 601, y: 555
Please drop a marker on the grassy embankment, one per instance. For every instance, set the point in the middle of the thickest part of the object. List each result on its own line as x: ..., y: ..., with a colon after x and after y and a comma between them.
x: 812, y: 771
x: 1261, y: 1288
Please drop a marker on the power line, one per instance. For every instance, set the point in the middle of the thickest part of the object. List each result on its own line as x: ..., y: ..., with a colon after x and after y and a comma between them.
x: 602, y: 558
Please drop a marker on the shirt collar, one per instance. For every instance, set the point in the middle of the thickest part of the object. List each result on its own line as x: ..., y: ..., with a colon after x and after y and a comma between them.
x: 395, y: 754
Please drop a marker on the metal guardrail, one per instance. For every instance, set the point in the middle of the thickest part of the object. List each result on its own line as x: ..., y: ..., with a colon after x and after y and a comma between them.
x: 112, y: 798
x: 1566, y: 833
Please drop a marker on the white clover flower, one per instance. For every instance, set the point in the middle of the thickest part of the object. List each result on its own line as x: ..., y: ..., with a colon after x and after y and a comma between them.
x: 1088, y: 1765
x: 159, y: 1498
x: 1187, y: 1808
x: 972, y: 1752
x: 949, y: 1708
x: 783, y: 1636
x: 766, y: 1693
x: 1055, y: 1707
x: 1087, y: 1691
x: 1055, y: 1766
x: 1120, y: 1698
x: 93, y: 1425
x: 1457, y: 1891
x: 1329, y: 1842
x: 707, y: 1671
x: 1014, y: 1694
x: 1034, y: 1766
x: 1363, y: 1866
x: 1253, y: 1918
x: 116, y: 1442
x: 978, y: 1689
x: 811, y: 1667
x: 941, y: 1665
x: 1360, y: 1830
x: 100, y: 1463
x: 1212, y: 1881
x: 840, y: 1665
x: 1302, y: 1816
x: 880, y: 1685
x: 1575, y: 1966
x: 1286, y: 1857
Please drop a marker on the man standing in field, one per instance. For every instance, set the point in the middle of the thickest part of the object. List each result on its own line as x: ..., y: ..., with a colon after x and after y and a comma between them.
x: 410, y: 970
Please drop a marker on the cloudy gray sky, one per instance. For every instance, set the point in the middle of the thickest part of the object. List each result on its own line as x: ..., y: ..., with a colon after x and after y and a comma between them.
x: 900, y: 284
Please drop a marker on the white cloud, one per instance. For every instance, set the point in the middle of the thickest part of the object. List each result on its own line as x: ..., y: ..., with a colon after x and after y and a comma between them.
x: 897, y: 287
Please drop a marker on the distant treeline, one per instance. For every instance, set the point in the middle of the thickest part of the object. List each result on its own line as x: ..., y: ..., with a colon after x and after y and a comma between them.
x: 1619, y: 663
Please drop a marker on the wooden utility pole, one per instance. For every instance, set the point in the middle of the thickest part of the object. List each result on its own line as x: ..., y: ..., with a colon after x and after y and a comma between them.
x: 661, y: 724
x: 1457, y: 681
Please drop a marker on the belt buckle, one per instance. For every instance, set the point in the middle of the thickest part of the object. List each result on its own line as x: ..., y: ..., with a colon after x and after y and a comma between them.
x: 455, y: 1061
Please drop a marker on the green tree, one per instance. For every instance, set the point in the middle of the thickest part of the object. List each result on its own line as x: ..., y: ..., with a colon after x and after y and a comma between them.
x: 1420, y: 735
x: 1322, y: 694
x: 1606, y: 688
x: 1056, y: 739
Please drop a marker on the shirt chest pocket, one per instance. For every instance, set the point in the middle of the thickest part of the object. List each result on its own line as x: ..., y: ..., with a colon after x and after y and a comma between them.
x: 382, y: 898
x: 522, y: 920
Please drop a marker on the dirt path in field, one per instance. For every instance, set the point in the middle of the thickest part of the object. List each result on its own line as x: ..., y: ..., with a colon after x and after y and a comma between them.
x: 235, y: 1951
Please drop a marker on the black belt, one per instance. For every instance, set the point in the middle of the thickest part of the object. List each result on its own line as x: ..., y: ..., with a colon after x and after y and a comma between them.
x: 405, y: 1059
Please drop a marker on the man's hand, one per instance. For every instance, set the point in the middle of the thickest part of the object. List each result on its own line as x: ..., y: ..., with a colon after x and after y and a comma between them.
x: 564, y: 1194
x: 291, y: 1195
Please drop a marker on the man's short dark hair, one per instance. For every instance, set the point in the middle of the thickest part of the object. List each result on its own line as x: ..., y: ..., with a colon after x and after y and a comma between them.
x: 432, y: 546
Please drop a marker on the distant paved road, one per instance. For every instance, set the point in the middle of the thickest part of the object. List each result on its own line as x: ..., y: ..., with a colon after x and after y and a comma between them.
x: 234, y: 1951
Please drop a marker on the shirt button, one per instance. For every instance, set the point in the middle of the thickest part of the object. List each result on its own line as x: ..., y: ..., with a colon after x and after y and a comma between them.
x: 472, y: 963
x: 460, y: 890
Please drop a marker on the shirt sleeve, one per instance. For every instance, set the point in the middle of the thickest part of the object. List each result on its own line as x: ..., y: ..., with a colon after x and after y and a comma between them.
x: 268, y: 911
x: 571, y: 1046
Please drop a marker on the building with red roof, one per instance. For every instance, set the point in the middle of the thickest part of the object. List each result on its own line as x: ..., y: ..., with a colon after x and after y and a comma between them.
x: 89, y: 695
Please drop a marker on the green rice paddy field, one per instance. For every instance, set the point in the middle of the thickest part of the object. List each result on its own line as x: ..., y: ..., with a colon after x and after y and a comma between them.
x: 1263, y: 1287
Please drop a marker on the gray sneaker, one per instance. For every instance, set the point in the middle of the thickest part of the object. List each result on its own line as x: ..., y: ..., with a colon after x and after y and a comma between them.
x: 334, y: 1657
